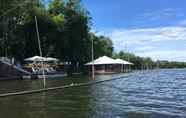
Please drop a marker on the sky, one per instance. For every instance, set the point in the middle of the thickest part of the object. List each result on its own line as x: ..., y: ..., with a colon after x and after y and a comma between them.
x: 148, y: 28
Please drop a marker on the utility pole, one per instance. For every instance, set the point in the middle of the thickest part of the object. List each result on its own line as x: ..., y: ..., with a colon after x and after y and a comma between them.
x: 127, y: 58
x: 40, y: 51
x: 6, y: 44
x: 93, y: 73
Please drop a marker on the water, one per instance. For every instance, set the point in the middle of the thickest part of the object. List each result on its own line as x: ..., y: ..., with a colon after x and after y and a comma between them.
x: 142, y: 94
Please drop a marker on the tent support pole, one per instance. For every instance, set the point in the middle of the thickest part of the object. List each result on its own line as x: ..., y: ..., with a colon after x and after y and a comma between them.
x: 39, y: 44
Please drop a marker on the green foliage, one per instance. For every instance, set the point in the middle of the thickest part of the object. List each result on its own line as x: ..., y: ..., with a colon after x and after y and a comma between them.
x: 64, y: 27
x: 147, y: 62
x: 169, y: 64
x: 56, y: 7
x: 139, y: 62
x: 102, y: 46
x: 64, y: 30
x: 58, y: 19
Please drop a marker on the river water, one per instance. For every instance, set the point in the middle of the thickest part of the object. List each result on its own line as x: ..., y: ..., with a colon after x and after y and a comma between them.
x: 140, y: 94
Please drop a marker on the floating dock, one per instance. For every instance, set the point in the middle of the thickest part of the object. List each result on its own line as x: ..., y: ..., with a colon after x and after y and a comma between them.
x: 60, y: 87
x: 10, y: 71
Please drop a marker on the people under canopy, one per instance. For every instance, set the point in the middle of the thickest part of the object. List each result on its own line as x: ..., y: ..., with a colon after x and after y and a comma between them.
x: 37, y: 64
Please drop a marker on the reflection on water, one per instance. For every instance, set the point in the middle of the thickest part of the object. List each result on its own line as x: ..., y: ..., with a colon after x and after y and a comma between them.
x: 142, y: 94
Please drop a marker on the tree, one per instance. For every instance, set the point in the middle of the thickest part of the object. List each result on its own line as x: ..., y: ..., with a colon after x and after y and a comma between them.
x: 139, y: 62
x: 102, y: 46
x: 76, y: 29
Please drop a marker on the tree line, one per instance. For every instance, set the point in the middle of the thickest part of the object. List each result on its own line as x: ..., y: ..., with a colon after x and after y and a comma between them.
x: 64, y: 27
x: 144, y: 63
x: 65, y: 33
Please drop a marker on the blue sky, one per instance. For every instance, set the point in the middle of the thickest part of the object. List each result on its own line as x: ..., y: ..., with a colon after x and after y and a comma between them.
x: 155, y: 28
x: 134, y: 13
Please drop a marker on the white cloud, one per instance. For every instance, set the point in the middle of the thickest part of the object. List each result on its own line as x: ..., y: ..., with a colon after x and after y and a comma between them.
x: 143, y: 39
x: 146, y: 35
x: 163, y: 14
x: 182, y: 23
x: 172, y: 55
x: 144, y: 48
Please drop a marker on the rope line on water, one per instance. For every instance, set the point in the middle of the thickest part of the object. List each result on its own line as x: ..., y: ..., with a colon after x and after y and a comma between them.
x: 59, y: 87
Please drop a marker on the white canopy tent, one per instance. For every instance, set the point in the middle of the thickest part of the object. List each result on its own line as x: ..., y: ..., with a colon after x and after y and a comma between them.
x: 40, y: 59
x: 103, y: 61
x: 124, y: 62
x: 36, y: 59
x: 51, y: 59
x: 106, y: 64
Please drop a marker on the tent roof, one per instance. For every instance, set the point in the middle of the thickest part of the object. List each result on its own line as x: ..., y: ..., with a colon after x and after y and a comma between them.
x: 51, y: 59
x: 103, y: 61
x: 124, y: 62
x: 39, y: 58
x: 36, y: 58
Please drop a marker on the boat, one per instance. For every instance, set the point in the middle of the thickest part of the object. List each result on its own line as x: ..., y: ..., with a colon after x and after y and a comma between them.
x: 39, y: 66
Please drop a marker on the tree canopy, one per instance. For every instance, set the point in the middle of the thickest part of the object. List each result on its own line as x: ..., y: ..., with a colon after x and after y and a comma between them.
x: 65, y: 33
x: 64, y: 27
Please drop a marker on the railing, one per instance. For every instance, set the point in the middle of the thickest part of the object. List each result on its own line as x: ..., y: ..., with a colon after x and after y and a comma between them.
x: 6, y: 60
x: 10, y: 62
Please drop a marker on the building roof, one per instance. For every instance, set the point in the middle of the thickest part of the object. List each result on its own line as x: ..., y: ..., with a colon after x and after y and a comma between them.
x: 104, y: 60
x: 124, y: 62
